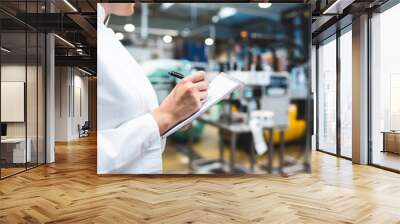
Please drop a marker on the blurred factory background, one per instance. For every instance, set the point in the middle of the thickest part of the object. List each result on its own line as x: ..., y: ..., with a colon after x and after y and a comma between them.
x: 267, y: 46
x: 48, y: 113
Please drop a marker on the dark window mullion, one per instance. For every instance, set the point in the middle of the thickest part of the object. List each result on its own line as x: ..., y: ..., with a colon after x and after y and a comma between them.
x: 37, y: 90
x: 369, y: 79
x: 338, y: 98
x: 26, y: 87
x: 317, y: 96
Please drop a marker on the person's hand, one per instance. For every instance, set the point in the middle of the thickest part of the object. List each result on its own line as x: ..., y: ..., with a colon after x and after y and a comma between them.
x: 183, y: 101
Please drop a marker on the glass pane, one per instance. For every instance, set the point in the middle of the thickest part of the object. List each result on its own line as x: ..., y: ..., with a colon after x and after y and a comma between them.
x: 23, y: 89
x: 346, y: 94
x: 32, y: 88
x: 314, y: 90
x: 13, y: 86
x: 327, y: 97
x: 386, y: 89
x: 31, y: 100
x: 41, y: 99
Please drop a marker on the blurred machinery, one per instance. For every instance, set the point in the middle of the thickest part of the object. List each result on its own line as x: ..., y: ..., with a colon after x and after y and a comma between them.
x: 269, y: 55
x: 265, y: 93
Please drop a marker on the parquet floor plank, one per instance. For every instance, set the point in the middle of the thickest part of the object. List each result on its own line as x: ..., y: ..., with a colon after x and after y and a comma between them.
x: 70, y: 191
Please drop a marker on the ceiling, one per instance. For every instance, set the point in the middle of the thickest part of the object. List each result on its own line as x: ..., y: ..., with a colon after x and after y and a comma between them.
x: 74, y: 22
x: 77, y: 24
x: 197, y: 18
x: 205, y: 11
x: 39, y: 6
x: 19, y: 54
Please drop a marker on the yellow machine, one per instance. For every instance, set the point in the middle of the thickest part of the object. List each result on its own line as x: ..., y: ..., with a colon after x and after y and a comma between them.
x: 296, y: 129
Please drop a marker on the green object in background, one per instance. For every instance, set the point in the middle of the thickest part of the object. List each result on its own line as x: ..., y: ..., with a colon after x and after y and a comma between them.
x: 157, y: 72
x: 235, y: 94
x: 197, y: 130
x: 160, y: 69
x: 248, y: 93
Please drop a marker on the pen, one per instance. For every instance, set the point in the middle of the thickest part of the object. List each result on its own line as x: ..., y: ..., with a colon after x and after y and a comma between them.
x: 176, y: 74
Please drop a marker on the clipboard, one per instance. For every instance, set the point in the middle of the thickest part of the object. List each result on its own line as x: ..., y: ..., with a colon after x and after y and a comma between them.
x: 221, y: 86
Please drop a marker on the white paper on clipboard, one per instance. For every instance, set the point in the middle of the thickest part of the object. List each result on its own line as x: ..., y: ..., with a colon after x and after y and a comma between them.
x: 219, y: 87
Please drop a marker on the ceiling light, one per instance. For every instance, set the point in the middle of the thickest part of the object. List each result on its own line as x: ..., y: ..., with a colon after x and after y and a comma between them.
x: 226, y: 12
x: 334, y: 8
x: 70, y: 5
x: 264, y: 5
x: 209, y: 41
x: 5, y: 50
x: 215, y: 19
x: 129, y: 27
x: 119, y: 36
x: 84, y: 71
x: 167, y: 39
x: 244, y: 34
x: 65, y: 41
x: 165, y: 6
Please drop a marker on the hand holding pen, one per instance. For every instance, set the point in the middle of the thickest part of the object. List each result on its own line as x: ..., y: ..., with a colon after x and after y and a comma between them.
x: 183, y: 101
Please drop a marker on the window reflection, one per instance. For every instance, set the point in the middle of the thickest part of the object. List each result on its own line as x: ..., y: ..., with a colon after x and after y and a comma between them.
x: 15, y: 150
x: 346, y: 94
x: 385, y: 84
x: 327, y: 97
x: 22, y: 90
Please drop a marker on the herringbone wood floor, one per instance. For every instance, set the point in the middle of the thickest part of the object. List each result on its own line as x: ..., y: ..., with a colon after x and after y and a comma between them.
x: 69, y: 191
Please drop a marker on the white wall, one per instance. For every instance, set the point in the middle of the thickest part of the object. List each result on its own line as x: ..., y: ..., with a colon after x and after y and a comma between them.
x: 80, y: 109
x: 12, y: 73
x: 71, y: 94
x: 34, y: 125
x: 61, y: 103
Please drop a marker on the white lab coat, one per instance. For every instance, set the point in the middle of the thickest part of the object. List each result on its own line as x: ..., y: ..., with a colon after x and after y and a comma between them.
x: 128, y: 138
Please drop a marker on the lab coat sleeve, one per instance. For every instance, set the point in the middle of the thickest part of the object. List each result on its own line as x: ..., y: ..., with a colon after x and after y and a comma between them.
x: 122, y: 149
